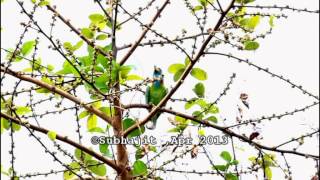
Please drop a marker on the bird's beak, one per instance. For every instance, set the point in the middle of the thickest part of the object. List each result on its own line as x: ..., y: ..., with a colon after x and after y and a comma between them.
x: 157, y: 69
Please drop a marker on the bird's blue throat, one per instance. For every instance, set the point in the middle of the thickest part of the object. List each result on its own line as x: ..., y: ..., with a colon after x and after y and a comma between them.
x: 157, y: 74
x: 157, y: 83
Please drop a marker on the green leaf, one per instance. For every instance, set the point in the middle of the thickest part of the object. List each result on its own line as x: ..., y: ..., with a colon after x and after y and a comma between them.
x: 95, y: 18
x: 27, y: 47
x: 101, y: 37
x: 68, y: 68
x: 4, y: 172
x: 50, y: 67
x: 205, y: 3
x: 213, y: 109
x: 234, y: 162
x: 178, y: 74
x: 68, y: 175
x: 133, y: 77
x: 199, y: 74
x: 175, y: 68
x: 102, y: 82
x: 108, y: 110
x: 52, y: 135
x: 212, y: 119
x: 2, y: 125
x: 190, y: 103
x: 5, y: 123
x: 16, y: 127
x: 244, y: 1
x: 199, y: 89
x: 180, y: 120
x: 44, y: 3
x: 139, y: 168
x: 269, y: 160
x: 201, y: 132
x: 202, y: 103
x: 252, y: 159
x: 92, y: 122
x: 85, y: 157
x: 153, y: 148
x: 128, y: 122
x: 27, y: 70
x: 174, y: 130
x: 97, y: 167
x: 197, y: 8
x: 125, y: 70
x: 220, y: 167
x: 231, y: 176
x: 139, y: 154
x: 83, y: 114
x: 21, y: 110
x: 268, y: 172
x: 86, y: 32
x: 198, y: 115
x: 75, y: 166
x: 77, y: 46
x: 103, y: 61
x: 15, y: 58
x: 226, y: 156
x: 271, y: 21
x: 97, y: 130
x: 250, y: 23
x: 104, y: 149
x: 187, y: 61
x: 251, y: 45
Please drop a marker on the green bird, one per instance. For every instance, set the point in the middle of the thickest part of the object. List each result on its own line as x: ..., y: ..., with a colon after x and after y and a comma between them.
x: 154, y: 94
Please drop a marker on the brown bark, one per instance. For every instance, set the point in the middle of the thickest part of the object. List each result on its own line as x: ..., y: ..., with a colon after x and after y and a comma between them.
x: 122, y: 154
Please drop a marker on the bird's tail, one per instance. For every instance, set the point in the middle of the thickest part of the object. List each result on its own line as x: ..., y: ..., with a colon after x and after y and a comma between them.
x: 153, y: 122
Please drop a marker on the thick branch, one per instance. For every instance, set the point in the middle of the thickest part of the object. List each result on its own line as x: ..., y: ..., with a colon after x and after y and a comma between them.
x: 184, y: 75
x: 64, y: 139
x: 222, y: 129
x: 54, y: 89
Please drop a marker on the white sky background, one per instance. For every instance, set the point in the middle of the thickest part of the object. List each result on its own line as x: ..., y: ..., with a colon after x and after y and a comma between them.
x: 292, y: 51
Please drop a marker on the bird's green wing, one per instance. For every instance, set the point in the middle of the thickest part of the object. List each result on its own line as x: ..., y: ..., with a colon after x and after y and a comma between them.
x: 164, y: 91
x: 147, y: 96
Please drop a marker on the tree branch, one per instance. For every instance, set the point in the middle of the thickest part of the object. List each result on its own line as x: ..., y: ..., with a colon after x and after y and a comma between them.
x: 184, y: 75
x: 136, y: 44
x: 57, y: 48
x: 222, y: 129
x: 63, y: 139
x: 54, y: 89
x: 67, y: 22
x: 293, y: 85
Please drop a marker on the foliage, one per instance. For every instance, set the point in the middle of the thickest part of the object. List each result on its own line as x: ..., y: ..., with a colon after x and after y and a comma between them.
x: 96, y: 78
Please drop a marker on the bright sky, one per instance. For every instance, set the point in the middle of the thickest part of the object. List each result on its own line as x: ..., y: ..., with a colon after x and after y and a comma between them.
x: 291, y: 50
